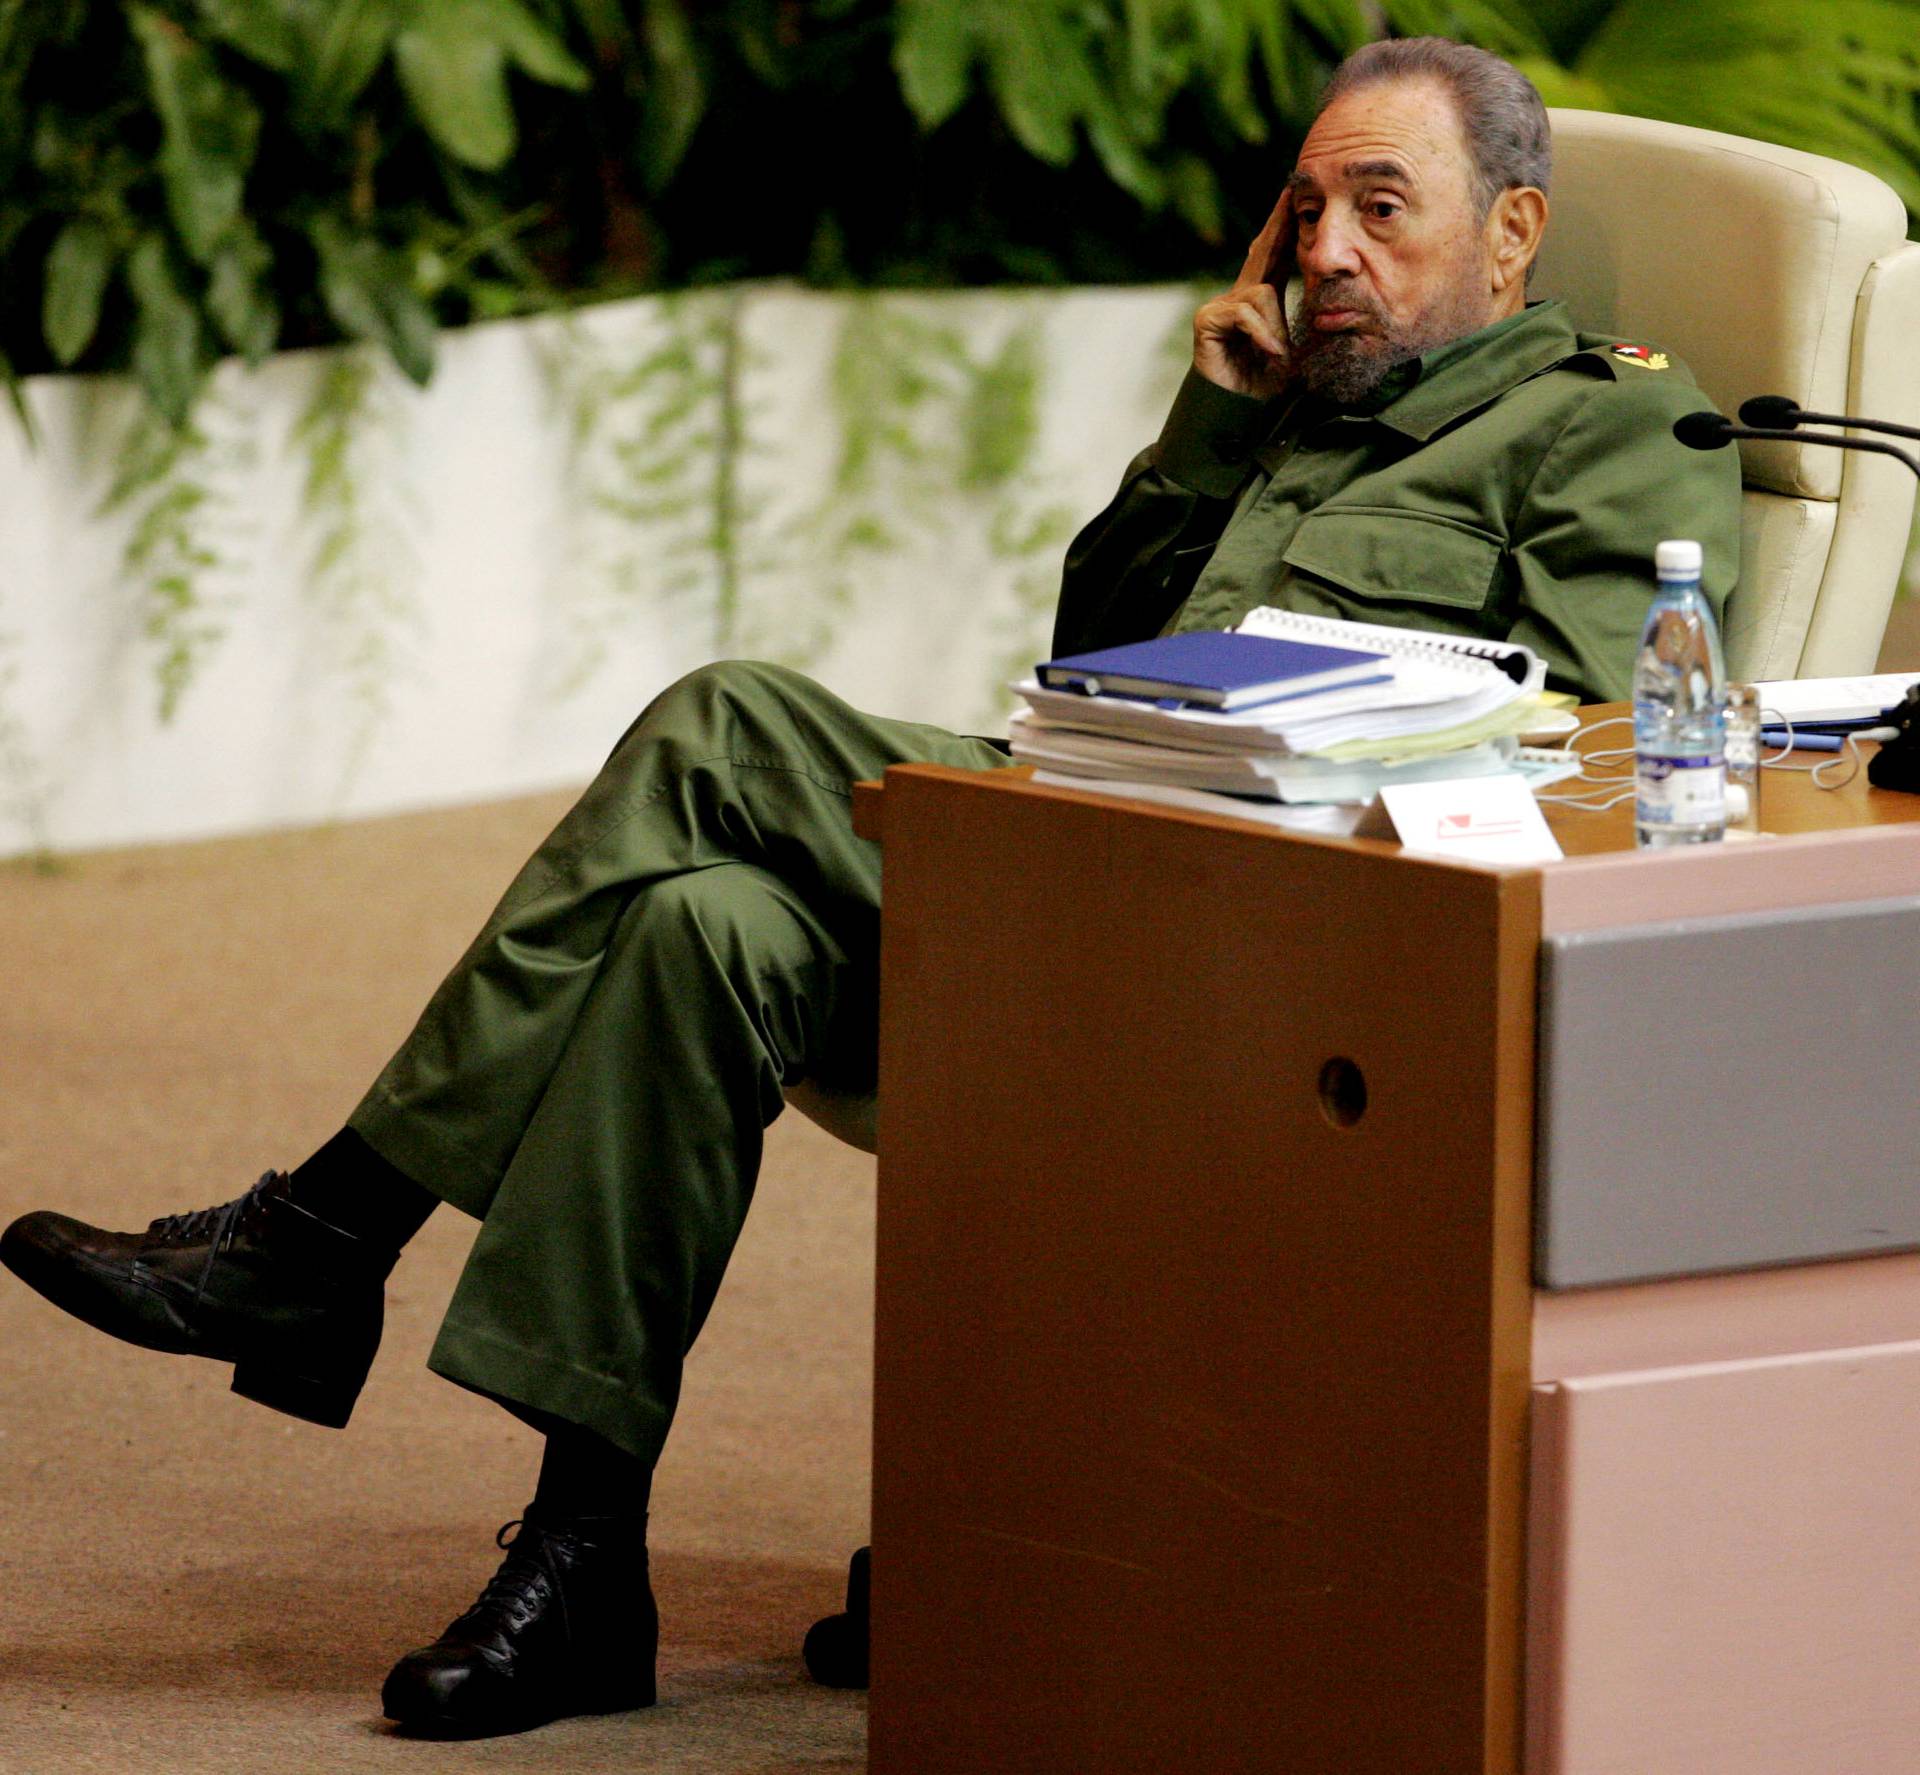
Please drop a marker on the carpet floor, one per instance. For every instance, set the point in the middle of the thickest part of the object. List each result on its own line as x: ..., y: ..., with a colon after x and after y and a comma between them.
x: 191, y: 1583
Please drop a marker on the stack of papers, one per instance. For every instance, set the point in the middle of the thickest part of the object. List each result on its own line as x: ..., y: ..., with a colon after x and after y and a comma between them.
x: 1423, y: 708
x: 1815, y: 702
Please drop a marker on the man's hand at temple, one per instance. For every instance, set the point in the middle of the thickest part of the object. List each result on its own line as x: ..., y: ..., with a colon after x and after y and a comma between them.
x: 1240, y: 338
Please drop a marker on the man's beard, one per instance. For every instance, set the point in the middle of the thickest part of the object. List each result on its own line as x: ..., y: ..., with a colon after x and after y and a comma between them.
x: 1345, y: 368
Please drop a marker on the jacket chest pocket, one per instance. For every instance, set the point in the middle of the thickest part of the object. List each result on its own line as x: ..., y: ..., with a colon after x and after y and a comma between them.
x: 1392, y: 556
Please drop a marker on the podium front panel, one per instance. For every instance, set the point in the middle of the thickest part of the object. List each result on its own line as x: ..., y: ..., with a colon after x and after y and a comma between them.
x: 1202, y: 1307
x: 1728, y: 1093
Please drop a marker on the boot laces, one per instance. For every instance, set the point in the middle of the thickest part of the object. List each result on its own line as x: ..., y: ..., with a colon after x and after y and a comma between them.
x: 219, y: 1222
x: 217, y: 1225
x: 529, y: 1570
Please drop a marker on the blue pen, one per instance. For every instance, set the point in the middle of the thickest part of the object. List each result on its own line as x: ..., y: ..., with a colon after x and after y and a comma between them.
x: 1801, y: 742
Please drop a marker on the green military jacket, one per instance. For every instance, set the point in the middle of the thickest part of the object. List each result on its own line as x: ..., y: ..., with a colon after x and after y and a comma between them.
x: 1510, y: 485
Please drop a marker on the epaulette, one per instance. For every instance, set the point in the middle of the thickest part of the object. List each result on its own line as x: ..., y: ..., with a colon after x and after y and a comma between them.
x: 1614, y: 355
x: 1606, y: 354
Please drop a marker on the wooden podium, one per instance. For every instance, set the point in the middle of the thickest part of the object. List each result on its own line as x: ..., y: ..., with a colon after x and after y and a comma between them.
x: 1204, y: 1316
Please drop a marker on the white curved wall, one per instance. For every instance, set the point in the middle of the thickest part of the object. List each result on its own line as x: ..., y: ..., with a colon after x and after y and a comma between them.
x: 488, y: 560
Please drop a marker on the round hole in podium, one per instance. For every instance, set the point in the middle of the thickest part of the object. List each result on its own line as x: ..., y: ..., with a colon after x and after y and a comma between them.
x: 1343, y: 1092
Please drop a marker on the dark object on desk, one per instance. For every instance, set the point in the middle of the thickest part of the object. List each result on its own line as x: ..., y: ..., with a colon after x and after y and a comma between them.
x: 1708, y: 430
x: 1897, y: 764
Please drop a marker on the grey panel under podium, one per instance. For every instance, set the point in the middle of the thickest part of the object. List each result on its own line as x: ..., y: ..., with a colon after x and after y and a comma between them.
x: 1726, y: 1093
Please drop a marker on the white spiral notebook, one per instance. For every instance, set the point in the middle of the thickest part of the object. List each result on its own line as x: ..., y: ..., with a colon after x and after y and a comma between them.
x: 1832, y: 699
x: 1521, y: 664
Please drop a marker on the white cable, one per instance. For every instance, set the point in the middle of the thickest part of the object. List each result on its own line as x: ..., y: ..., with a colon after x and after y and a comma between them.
x: 1848, y: 754
x: 1604, y: 792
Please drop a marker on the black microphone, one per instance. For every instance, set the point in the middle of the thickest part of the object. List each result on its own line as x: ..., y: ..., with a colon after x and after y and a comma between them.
x: 1776, y: 410
x: 1897, y: 764
x: 1704, y: 431
x: 1710, y: 431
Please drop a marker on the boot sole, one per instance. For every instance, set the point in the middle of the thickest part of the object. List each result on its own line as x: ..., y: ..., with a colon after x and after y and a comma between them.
x: 450, y: 1725
x: 323, y: 1399
x: 315, y: 1394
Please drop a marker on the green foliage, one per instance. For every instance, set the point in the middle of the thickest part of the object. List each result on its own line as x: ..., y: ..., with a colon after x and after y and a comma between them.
x: 359, y: 581
x: 932, y: 443
x: 24, y: 791
x: 368, y: 291
x: 453, y: 56
x: 937, y: 441
x: 1841, y: 78
x: 1056, y: 70
x: 172, y: 482
x: 208, y: 133
x: 188, y: 178
x: 1000, y: 412
x: 656, y: 450
x: 892, y: 368
x: 166, y: 331
x: 77, y: 271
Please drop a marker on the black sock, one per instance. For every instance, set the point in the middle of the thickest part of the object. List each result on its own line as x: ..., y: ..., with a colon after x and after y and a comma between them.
x: 350, y: 1186
x: 583, y: 1474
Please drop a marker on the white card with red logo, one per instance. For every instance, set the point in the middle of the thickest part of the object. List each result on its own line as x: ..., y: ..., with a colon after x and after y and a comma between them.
x: 1477, y: 819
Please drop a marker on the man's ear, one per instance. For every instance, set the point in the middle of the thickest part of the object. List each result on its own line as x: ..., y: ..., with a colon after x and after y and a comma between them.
x: 1514, y: 226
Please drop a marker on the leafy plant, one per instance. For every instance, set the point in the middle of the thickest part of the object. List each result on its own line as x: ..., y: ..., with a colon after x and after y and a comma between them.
x: 175, y: 487
x: 933, y: 443
x: 1840, y: 78
x: 1056, y: 71
x: 188, y: 178
x: 24, y: 790
x: 656, y: 449
x: 937, y: 445
x: 360, y: 578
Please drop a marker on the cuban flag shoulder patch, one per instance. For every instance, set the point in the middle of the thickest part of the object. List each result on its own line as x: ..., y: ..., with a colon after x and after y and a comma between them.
x: 1640, y: 356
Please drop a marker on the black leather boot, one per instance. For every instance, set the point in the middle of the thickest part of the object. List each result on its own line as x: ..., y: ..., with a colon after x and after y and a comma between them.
x: 835, y: 1650
x: 567, y: 1625
x: 293, y: 1303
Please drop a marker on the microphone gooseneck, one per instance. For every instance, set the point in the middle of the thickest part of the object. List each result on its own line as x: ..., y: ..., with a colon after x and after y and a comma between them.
x: 1776, y: 410
x: 1709, y: 430
x: 1897, y: 764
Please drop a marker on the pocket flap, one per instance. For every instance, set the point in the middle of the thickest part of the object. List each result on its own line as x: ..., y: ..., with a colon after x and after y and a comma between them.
x: 1398, y: 556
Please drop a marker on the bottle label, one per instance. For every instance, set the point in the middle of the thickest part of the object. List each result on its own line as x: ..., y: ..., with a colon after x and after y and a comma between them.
x: 1681, y: 792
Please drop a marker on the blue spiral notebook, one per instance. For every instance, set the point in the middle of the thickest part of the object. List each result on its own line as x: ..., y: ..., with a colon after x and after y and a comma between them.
x: 1215, y: 669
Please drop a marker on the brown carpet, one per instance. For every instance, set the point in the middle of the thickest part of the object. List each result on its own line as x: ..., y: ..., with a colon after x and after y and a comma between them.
x: 194, y: 1583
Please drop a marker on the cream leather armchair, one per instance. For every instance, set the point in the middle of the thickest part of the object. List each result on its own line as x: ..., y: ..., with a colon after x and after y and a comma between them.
x: 1770, y: 272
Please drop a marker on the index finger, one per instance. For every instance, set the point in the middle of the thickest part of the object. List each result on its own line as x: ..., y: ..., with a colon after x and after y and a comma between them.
x: 1271, y: 246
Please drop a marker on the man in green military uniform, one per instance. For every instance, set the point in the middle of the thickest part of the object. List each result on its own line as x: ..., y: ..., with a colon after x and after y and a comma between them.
x: 1413, y: 444
x: 1425, y: 449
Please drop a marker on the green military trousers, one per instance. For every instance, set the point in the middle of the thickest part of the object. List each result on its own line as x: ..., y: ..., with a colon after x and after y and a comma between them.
x: 593, y: 1079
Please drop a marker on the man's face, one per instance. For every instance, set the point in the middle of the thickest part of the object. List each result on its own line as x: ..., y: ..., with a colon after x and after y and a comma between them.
x: 1393, y: 254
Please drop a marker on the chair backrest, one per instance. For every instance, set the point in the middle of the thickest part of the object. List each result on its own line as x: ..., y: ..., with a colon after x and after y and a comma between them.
x: 1769, y: 271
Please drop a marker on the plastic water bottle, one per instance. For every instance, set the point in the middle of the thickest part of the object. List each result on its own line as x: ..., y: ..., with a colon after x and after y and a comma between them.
x: 1679, y: 710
